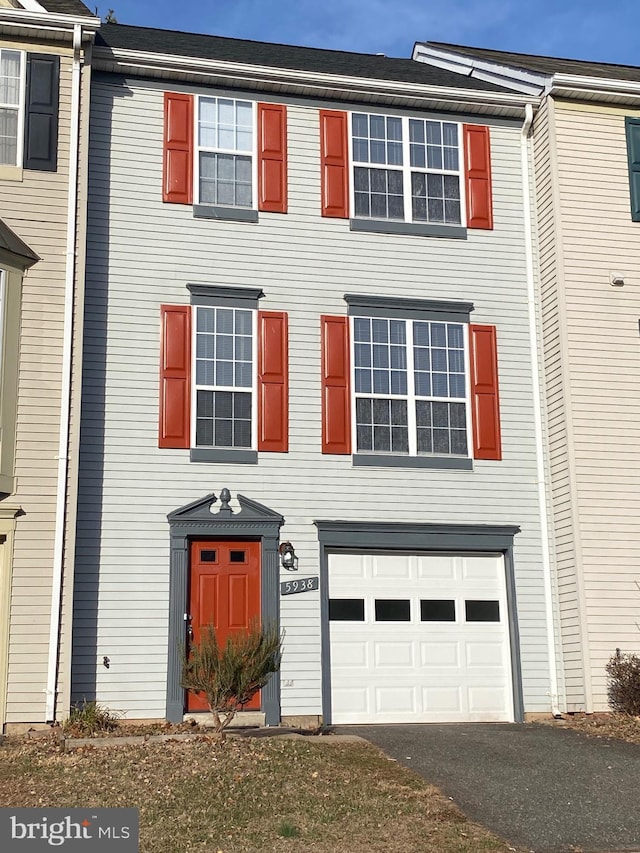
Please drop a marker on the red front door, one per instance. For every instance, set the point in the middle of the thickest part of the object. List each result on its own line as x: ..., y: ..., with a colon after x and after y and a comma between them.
x: 225, y: 591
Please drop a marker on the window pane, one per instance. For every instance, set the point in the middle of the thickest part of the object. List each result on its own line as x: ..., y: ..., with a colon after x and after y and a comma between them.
x: 346, y: 610
x: 393, y: 610
x: 362, y: 329
x: 435, y: 610
x: 8, y: 137
x: 10, y: 77
x: 482, y: 611
x: 360, y: 125
x: 377, y: 127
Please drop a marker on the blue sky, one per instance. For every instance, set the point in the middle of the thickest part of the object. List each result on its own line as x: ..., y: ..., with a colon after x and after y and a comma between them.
x: 591, y: 29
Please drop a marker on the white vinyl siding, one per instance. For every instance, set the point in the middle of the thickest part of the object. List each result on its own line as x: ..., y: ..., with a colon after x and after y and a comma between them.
x: 305, y: 264
x: 595, y: 459
x: 36, y: 209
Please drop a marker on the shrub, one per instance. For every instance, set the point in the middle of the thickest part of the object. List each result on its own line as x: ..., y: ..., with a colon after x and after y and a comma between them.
x: 624, y: 683
x: 231, y: 675
x: 87, y: 719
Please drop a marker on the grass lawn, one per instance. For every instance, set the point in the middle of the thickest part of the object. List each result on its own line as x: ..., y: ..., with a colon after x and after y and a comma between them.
x: 263, y: 795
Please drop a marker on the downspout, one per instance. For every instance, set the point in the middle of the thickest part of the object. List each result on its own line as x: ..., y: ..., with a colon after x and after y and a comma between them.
x: 65, y: 402
x: 537, y: 411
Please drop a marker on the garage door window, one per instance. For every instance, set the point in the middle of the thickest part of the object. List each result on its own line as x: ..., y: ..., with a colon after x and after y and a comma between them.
x: 393, y: 610
x: 436, y: 610
x: 482, y: 611
x: 346, y: 610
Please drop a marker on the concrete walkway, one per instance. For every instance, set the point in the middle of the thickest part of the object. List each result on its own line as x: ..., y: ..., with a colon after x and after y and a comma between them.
x: 544, y: 788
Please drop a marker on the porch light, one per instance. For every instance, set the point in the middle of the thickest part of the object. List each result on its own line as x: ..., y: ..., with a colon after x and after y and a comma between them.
x: 288, y: 557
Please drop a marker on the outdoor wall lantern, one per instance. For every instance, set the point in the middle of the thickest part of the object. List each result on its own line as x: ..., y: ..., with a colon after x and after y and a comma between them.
x: 288, y: 557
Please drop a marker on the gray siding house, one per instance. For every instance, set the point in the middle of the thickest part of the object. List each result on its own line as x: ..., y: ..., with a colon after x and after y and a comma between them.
x: 308, y: 392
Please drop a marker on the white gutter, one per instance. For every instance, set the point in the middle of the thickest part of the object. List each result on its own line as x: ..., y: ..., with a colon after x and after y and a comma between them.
x: 144, y: 62
x: 65, y: 402
x: 537, y: 411
x: 11, y: 15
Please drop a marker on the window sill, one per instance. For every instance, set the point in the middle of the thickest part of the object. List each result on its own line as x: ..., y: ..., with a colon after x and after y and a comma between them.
x: 11, y: 173
x: 380, y: 460
x: 223, y: 454
x: 419, y: 229
x: 231, y: 214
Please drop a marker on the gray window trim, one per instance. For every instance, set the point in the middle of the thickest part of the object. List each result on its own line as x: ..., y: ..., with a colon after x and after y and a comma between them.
x: 382, y: 460
x: 229, y: 214
x: 365, y: 537
x: 222, y: 296
x: 224, y: 454
x: 255, y: 522
x: 417, y: 229
x: 405, y: 308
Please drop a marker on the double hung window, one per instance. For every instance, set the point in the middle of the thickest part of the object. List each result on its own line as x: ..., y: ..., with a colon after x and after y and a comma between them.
x: 406, y: 169
x: 410, y: 387
x: 225, y: 161
x: 11, y: 106
x: 225, y: 378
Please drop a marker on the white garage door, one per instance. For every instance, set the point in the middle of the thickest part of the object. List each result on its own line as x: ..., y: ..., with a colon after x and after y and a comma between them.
x: 419, y: 638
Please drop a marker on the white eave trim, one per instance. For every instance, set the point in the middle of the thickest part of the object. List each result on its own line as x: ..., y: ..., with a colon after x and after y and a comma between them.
x: 576, y: 85
x: 519, y: 79
x: 139, y: 62
x: 46, y: 20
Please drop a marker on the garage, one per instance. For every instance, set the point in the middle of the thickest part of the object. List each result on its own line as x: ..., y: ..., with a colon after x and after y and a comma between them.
x: 418, y: 637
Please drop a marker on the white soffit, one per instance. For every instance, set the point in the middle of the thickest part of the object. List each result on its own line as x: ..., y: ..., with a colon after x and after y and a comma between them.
x: 517, y: 79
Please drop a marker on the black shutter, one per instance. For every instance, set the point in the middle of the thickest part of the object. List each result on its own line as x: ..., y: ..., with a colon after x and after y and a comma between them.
x: 632, y: 126
x: 41, y: 112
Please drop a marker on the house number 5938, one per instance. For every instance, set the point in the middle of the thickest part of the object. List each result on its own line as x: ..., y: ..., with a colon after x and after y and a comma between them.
x: 299, y: 585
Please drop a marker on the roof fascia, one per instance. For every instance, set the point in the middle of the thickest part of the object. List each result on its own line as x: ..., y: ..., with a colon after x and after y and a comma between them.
x: 575, y: 85
x: 532, y: 83
x: 54, y: 21
x: 121, y: 60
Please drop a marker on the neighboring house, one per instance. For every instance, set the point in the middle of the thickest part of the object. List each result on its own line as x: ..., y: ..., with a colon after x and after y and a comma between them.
x: 309, y: 283
x: 587, y: 175
x: 44, y: 87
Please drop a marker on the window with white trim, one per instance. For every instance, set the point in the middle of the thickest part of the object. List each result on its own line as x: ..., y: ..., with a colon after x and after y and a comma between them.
x: 224, y: 390
x: 225, y: 164
x: 411, y: 387
x: 406, y: 169
x: 11, y: 106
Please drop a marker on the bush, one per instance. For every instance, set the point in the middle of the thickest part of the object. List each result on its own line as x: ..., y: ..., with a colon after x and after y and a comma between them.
x: 231, y: 675
x: 88, y: 719
x: 624, y: 683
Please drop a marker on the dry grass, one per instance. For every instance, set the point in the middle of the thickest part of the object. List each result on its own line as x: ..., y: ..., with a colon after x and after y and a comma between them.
x: 619, y: 726
x: 247, y: 795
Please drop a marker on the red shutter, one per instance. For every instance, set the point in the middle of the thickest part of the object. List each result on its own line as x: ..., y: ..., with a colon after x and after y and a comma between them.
x: 336, y: 397
x: 177, y: 175
x: 272, y: 158
x: 485, y: 407
x: 334, y: 161
x: 175, y: 376
x: 477, y: 173
x: 273, y: 381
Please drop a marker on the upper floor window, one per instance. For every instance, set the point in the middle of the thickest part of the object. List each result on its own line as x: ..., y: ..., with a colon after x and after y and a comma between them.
x: 410, y: 387
x: 11, y: 106
x: 225, y: 162
x: 225, y: 378
x: 406, y: 169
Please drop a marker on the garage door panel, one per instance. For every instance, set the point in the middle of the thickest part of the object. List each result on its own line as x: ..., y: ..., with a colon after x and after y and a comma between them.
x: 394, y: 654
x: 485, y: 655
x: 440, y: 654
x: 419, y: 669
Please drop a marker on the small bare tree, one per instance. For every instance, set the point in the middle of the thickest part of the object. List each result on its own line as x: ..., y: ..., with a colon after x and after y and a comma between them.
x: 231, y: 675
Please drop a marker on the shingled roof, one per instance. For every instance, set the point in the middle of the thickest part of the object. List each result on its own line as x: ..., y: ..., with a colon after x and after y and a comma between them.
x: 66, y: 7
x: 544, y: 64
x: 311, y: 59
x: 10, y: 242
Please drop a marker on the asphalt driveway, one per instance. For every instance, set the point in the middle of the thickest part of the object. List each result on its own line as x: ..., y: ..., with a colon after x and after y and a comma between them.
x: 545, y: 788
